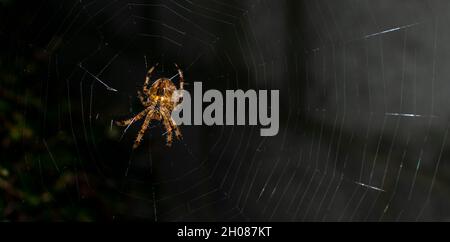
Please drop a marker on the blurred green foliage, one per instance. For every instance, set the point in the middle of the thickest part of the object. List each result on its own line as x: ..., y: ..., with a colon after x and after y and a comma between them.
x: 40, y: 173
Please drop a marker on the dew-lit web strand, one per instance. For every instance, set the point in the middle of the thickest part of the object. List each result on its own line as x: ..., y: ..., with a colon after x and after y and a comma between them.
x: 69, y: 27
x: 342, y: 179
x: 315, y: 165
x: 236, y: 175
x: 115, y: 15
x: 275, y: 188
x: 300, y: 185
x: 174, y: 12
x: 98, y: 79
x: 303, y: 183
x: 397, y: 123
x: 340, y: 132
x: 325, y: 172
x: 73, y: 131
x: 52, y: 43
x: 247, y: 176
x: 436, y: 169
x: 368, y: 186
x: 283, y: 193
x: 161, y: 23
x: 251, y: 185
x: 259, y: 147
x: 44, y: 94
x: 308, y: 186
x: 251, y: 131
x: 294, y: 173
x: 334, y: 77
x: 436, y: 25
x: 91, y: 18
x: 209, y: 10
x: 425, y: 140
x: 290, y: 204
x: 230, y: 133
x: 335, y: 122
x: 234, y: 157
x: 330, y: 204
x: 320, y: 143
x: 363, y: 158
x: 286, y: 130
x: 241, y: 160
x: 394, y: 190
x: 401, y: 96
x: 52, y: 158
x: 363, y: 161
x: 339, y: 140
x: 408, y: 138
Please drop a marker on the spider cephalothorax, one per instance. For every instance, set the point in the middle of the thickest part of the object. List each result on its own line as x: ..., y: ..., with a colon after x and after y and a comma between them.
x: 158, y: 102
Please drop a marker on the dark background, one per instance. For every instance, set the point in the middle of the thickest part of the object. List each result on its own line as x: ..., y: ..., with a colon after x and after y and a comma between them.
x: 363, y: 111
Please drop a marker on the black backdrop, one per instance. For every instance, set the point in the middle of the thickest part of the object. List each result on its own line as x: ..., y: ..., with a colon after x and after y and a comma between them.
x: 363, y: 110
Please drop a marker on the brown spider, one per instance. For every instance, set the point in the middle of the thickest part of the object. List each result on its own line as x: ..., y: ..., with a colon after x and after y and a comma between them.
x: 158, y: 103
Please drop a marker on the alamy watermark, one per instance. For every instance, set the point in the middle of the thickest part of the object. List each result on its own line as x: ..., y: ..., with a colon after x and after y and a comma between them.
x: 248, y: 107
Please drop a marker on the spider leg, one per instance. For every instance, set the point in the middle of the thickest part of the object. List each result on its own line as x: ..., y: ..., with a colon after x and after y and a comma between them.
x: 168, y: 127
x: 172, y: 123
x: 177, y: 130
x: 147, y: 78
x: 180, y: 73
x: 143, y: 98
x: 144, y: 127
x: 134, y: 119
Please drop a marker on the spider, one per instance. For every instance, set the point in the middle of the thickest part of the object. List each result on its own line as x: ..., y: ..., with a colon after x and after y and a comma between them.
x: 159, y: 103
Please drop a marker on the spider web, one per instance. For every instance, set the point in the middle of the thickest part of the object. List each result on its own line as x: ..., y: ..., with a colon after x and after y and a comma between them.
x: 363, y: 106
